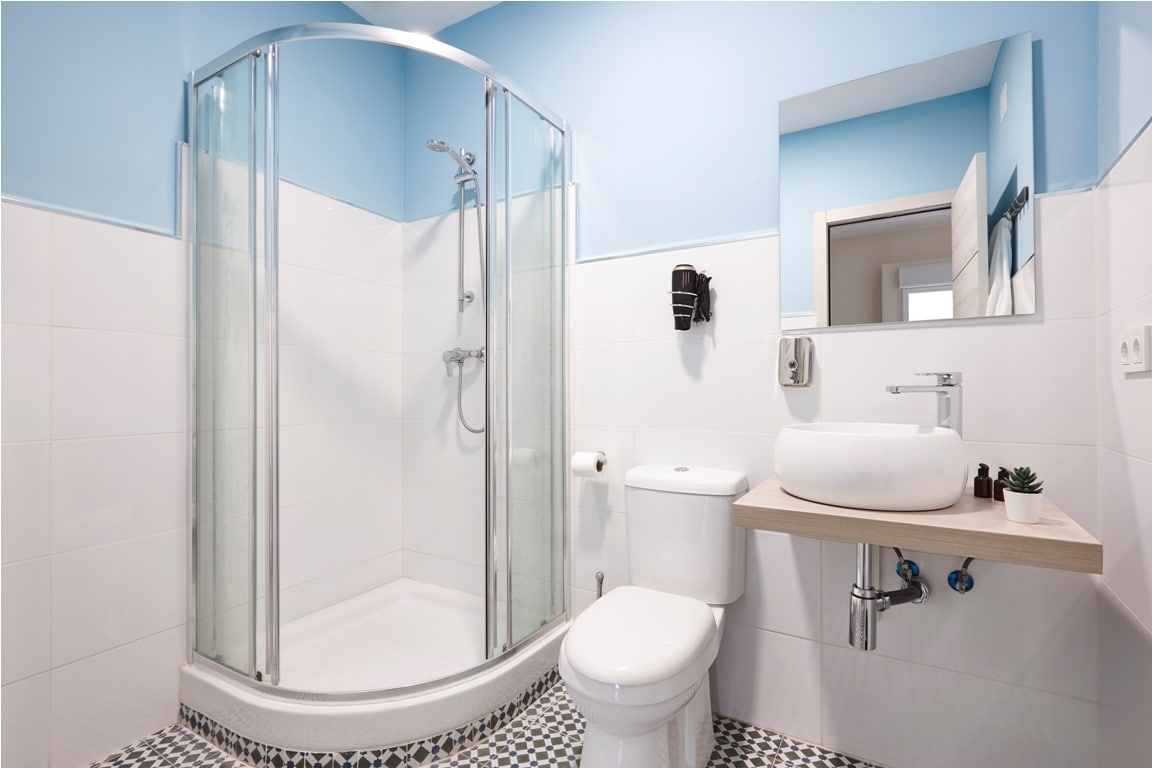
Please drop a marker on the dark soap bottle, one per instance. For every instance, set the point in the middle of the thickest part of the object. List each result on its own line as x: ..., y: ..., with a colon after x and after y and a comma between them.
x: 982, y: 485
x: 998, y: 486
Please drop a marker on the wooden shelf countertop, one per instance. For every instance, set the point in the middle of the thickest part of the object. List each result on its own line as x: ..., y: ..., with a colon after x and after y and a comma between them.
x: 969, y: 528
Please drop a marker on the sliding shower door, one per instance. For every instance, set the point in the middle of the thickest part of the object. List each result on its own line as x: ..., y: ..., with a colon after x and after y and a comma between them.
x: 227, y: 304
x: 527, y: 275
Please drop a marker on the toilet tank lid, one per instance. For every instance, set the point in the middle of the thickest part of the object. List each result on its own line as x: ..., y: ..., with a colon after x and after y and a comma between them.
x: 679, y: 478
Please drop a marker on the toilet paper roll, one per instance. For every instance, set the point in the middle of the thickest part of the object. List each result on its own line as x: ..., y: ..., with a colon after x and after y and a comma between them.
x: 588, y: 463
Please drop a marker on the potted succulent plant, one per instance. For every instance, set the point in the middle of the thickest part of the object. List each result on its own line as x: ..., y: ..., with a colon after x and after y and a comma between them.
x: 1023, y: 495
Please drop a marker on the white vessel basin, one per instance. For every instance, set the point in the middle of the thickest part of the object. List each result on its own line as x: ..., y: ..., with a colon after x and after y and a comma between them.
x: 889, y: 467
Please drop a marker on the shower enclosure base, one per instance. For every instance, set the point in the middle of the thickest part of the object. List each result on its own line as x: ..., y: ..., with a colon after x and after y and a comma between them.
x: 403, y: 633
x: 308, y: 723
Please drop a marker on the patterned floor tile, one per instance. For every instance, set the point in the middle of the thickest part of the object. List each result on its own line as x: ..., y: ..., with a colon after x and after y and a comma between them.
x: 548, y: 732
x: 135, y: 755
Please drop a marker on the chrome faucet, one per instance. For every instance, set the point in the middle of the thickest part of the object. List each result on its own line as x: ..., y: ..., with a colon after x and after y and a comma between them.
x: 949, y: 398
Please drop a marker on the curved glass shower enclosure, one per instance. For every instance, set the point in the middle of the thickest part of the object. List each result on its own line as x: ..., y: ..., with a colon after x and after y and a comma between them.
x: 378, y: 361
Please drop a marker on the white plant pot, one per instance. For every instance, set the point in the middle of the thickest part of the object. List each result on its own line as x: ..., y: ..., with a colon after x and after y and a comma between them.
x: 1023, y: 507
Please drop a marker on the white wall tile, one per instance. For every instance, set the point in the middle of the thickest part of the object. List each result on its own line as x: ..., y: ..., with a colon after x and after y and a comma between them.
x: 1031, y: 627
x: 443, y: 522
x: 107, y: 596
x: 747, y: 452
x: 908, y: 715
x: 430, y: 394
x: 26, y: 629
x: 114, y: 489
x: 319, y: 384
x: 782, y: 592
x: 606, y: 491
x: 319, y: 461
x: 99, y: 274
x: 1068, y: 472
x: 27, y: 731
x: 443, y: 455
x: 603, y: 301
x: 599, y: 542
x: 1126, y: 685
x: 320, y: 537
x: 994, y: 359
x: 430, y: 249
x: 26, y: 498
x: 1121, y: 205
x: 1066, y: 242
x: 1126, y: 530
x: 772, y: 680
x: 603, y: 389
x: 432, y: 322
x: 441, y: 572
x: 26, y: 370
x: 114, y: 698
x: 106, y: 384
x: 26, y: 271
x: 311, y: 596
x: 1125, y: 420
x: 702, y: 384
x: 745, y: 300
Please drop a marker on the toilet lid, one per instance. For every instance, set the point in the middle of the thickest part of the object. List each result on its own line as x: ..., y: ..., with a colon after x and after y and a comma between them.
x: 636, y: 636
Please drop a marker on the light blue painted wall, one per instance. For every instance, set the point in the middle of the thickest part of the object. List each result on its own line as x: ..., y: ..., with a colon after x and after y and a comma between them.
x: 913, y: 150
x: 342, y: 121
x: 1125, y: 79
x: 673, y: 105
x: 93, y: 96
x: 1011, y: 157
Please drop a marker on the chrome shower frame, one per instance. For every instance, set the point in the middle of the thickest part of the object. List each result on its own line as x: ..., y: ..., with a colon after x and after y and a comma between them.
x: 267, y: 45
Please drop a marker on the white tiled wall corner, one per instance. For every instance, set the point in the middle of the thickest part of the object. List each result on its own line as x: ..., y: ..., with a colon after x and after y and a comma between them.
x: 1125, y: 683
x: 1126, y: 530
x: 94, y: 483
x: 1065, y: 238
x: 442, y: 572
x: 351, y: 580
x: 1124, y: 299
x: 27, y: 722
x: 114, y: 698
x: 773, y: 679
x: 908, y: 715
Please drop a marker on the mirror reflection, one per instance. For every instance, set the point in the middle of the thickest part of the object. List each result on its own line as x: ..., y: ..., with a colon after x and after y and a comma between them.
x: 906, y: 196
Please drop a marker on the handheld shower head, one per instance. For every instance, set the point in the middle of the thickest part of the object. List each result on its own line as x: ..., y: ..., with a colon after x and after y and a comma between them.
x: 464, y: 158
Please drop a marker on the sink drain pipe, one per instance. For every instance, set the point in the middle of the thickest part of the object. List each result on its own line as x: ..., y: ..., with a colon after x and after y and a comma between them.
x: 868, y: 601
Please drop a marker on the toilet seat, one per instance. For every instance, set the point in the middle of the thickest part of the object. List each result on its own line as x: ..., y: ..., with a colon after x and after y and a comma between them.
x: 637, y: 645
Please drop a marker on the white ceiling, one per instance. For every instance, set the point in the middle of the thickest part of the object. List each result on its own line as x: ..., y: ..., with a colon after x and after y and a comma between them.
x: 417, y: 16
x: 955, y: 73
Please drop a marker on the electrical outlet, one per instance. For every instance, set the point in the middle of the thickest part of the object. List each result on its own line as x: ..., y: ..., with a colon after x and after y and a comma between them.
x: 1132, y: 350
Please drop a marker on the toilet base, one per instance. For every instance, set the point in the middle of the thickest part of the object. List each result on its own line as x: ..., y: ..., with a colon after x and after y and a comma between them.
x: 684, y: 741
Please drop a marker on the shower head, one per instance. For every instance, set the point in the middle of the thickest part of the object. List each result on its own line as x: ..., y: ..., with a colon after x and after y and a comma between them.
x: 464, y: 158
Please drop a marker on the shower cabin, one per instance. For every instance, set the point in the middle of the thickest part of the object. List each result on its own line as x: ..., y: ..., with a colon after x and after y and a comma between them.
x: 379, y: 235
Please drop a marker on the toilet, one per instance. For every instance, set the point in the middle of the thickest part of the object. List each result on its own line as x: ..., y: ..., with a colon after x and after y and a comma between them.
x: 636, y: 661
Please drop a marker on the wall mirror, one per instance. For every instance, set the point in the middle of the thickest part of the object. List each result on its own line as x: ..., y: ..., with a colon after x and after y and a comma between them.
x: 906, y: 195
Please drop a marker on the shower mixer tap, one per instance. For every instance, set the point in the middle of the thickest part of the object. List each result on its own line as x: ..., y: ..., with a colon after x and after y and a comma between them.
x: 457, y: 357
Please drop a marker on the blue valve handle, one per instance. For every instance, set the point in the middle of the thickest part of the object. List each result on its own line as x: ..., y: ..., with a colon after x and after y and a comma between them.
x: 954, y: 581
x: 913, y: 568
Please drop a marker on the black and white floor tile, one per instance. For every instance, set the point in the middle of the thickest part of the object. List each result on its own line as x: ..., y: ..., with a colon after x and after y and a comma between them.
x: 547, y: 732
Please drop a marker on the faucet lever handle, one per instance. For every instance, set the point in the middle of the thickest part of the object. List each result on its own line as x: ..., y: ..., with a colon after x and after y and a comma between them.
x: 945, y: 378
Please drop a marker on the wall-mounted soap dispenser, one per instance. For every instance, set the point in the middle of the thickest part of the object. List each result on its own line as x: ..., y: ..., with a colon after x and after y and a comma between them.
x: 795, y: 367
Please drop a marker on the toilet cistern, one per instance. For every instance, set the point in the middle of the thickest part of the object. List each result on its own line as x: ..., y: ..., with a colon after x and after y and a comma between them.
x: 949, y: 398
